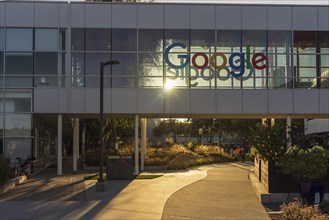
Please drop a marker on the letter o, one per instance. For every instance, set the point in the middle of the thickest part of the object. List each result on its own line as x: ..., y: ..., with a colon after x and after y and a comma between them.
x: 205, y: 60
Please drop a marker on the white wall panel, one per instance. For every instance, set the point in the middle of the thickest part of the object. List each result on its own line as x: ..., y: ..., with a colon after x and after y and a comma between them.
x: 324, y: 101
x: 203, y: 101
x: 177, y: 101
x: 202, y: 17
x: 124, y: 100
x: 92, y: 100
x: 323, y: 18
x: 124, y: 16
x: 150, y: 101
x: 254, y: 17
x: 150, y: 16
x: 77, y: 100
x: 46, y: 15
x: 98, y: 15
x: 255, y: 101
x: 304, y: 18
x: 77, y: 15
x: 228, y: 17
x: 281, y: 22
x: 229, y: 101
x: 63, y: 15
x: 176, y: 16
x: 20, y: 14
x: 45, y: 100
x: 306, y: 101
x: 280, y: 101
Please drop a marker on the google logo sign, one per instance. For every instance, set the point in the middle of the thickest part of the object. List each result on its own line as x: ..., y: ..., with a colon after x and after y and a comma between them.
x: 237, y: 61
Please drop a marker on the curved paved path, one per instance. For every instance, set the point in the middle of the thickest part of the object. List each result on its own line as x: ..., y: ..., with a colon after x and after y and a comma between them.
x: 225, y: 193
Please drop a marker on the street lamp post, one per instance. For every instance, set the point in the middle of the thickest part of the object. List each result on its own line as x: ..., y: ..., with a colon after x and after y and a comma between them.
x: 101, y: 186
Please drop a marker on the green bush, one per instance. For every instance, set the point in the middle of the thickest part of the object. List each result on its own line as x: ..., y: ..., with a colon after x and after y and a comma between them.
x: 6, y: 172
x: 324, y: 206
x: 305, y: 164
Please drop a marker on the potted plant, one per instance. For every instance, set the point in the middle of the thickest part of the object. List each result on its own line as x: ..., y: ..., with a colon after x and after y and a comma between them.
x: 308, y: 166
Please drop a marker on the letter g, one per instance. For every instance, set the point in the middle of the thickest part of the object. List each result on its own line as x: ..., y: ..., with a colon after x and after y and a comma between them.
x: 186, y: 56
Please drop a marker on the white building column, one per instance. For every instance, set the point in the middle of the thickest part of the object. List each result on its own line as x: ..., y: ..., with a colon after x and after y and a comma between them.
x: 143, y: 140
x: 136, y: 145
x: 75, y: 143
x: 59, y: 145
x: 288, y: 131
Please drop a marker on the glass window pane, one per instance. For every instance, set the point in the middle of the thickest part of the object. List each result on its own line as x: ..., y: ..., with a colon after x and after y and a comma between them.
x: 1, y: 42
x: 150, y: 40
x: 124, y: 74
x: 177, y: 36
x: 18, y: 148
x: 1, y: 127
x: 256, y: 40
x: 62, y: 39
x: 77, y: 39
x: 98, y: 39
x: 279, y: 41
x: 19, y: 39
x: 18, y: 125
x: 305, y: 41
x: 151, y: 64
x: 46, y: 39
x: 124, y: 39
x: 19, y: 82
x: 202, y: 41
x: 1, y: 63
x: 45, y: 63
x: 228, y: 41
x: 77, y: 60
x: 92, y: 62
x: 19, y: 63
x: 18, y: 102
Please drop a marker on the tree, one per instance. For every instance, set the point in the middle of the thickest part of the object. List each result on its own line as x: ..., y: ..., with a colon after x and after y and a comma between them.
x: 269, y: 141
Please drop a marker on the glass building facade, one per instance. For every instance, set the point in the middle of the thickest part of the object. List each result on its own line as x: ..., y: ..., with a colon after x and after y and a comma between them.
x: 50, y: 55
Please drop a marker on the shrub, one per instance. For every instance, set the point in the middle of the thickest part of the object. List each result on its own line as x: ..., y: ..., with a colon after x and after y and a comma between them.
x: 305, y: 164
x: 6, y: 172
x: 296, y: 210
x: 324, y: 206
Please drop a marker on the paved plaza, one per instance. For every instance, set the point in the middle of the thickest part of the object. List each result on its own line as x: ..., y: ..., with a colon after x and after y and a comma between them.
x: 220, y: 191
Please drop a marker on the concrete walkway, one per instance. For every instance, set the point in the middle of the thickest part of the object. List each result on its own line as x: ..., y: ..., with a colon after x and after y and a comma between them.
x: 225, y: 193
x: 69, y: 197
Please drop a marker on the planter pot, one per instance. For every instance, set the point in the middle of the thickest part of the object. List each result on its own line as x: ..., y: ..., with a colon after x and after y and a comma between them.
x: 317, y: 190
x: 305, y: 191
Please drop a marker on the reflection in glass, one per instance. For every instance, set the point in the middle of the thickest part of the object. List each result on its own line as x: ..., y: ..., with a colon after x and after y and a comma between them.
x: 92, y: 62
x: 19, y: 63
x: 150, y: 64
x: 18, y: 148
x: 77, y: 69
x: 150, y: 40
x: 19, y: 81
x: 1, y: 63
x: 176, y: 36
x: 256, y: 40
x: 46, y: 39
x: 18, y: 102
x: 279, y: 42
x: 228, y: 41
x: 18, y: 125
x: 202, y: 41
x: 98, y: 39
x: 124, y: 74
x: 45, y: 63
x: 124, y: 39
x: 1, y: 42
x: 19, y: 39
x: 77, y: 39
